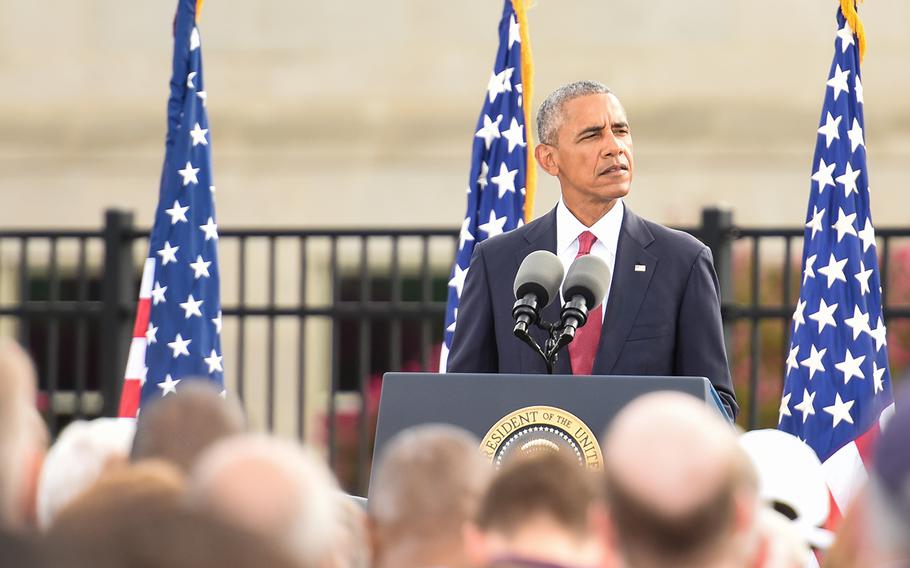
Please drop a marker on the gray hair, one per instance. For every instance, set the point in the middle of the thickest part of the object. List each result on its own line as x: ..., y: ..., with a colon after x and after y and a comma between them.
x: 308, y: 523
x: 78, y: 458
x: 549, y: 117
x: 428, y: 481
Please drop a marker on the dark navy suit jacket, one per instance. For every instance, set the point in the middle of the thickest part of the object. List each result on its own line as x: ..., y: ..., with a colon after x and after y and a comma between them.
x: 664, y: 320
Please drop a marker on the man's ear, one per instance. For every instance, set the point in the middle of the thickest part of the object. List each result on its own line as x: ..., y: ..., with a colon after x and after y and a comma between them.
x: 746, y: 508
x: 29, y: 503
x: 375, y: 539
x: 475, y: 545
x: 546, y: 157
x: 602, y: 528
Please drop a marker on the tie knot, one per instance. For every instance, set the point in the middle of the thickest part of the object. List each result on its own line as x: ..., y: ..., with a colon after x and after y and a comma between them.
x: 585, y: 242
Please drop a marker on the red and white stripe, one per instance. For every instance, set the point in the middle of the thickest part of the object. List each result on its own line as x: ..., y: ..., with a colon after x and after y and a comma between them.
x: 135, y: 365
x: 846, y: 471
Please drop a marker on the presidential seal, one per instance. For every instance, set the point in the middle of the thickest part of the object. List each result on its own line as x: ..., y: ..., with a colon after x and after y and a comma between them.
x: 542, y: 429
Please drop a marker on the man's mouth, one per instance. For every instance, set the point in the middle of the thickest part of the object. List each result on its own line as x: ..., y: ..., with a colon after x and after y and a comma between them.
x: 614, y: 169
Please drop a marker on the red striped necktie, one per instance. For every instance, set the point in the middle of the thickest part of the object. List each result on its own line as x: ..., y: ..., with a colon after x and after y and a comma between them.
x: 583, y: 348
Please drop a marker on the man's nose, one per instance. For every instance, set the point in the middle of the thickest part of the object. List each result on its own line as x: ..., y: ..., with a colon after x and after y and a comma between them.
x: 611, y: 146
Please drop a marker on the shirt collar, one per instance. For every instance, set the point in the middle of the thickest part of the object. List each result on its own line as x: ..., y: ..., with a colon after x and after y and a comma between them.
x: 606, y: 229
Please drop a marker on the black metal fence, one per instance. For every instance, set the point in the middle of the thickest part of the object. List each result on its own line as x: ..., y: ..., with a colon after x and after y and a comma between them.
x: 760, y: 272
x: 312, y: 318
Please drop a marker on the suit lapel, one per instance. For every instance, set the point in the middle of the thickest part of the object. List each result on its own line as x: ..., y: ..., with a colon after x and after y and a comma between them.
x: 628, y: 288
x: 542, y: 236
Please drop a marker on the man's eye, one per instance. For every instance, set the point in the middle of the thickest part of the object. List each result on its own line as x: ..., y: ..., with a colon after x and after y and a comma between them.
x: 621, y: 131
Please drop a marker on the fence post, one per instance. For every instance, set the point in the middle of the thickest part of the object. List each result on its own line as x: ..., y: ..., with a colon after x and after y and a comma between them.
x: 117, y: 283
x: 717, y: 233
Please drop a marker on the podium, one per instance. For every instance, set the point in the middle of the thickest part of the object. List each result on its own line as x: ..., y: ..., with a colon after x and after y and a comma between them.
x: 500, y: 408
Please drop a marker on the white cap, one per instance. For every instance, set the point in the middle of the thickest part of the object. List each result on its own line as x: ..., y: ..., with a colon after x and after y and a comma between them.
x: 790, y: 473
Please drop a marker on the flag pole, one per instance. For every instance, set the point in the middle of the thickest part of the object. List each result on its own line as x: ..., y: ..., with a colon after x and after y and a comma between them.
x: 527, y: 79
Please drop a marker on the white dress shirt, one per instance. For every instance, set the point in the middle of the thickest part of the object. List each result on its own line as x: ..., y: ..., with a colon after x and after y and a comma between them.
x: 606, y: 229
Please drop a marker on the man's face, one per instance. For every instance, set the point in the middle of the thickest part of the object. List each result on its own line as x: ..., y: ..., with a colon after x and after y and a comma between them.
x: 592, y: 156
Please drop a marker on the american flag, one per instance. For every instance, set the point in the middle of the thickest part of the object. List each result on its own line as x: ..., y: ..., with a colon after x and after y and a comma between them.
x: 837, y: 381
x: 500, y: 184
x: 177, y: 333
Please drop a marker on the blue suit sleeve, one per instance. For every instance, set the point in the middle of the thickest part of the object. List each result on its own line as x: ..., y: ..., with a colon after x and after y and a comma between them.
x: 700, y: 337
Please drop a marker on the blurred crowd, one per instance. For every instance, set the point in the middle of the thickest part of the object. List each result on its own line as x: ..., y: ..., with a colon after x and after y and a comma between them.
x: 187, y: 485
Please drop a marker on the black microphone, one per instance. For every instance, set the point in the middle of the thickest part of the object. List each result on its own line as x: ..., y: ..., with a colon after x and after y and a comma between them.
x: 536, y: 285
x: 587, y: 282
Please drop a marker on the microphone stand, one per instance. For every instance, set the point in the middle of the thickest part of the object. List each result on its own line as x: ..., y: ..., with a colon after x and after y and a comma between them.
x: 558, y: 336
x: 521, y: 332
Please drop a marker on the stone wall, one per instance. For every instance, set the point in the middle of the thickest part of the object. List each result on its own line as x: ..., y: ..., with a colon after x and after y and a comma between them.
x: 351, y: 113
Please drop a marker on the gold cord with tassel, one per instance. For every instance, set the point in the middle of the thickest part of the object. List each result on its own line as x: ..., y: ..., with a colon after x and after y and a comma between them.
x: 527, y: 80
x: 848, y: 8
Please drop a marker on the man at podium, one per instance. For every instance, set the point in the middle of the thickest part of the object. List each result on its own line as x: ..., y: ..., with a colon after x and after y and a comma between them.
x: 661, y: 313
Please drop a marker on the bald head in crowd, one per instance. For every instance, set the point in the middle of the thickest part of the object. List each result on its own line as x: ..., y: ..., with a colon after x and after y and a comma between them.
x: 178, y: 428
x: 277, y: 489
x: 23, y: 437
x: 426, y: 488
x: 680, y: 490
